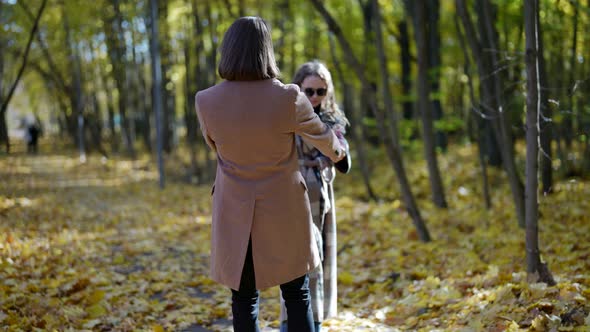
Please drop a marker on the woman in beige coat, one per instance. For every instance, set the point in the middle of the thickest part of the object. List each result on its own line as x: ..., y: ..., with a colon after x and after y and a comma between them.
x: 262, y: 224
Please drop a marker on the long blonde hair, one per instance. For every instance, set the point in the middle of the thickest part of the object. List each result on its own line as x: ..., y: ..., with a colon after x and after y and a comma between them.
x: 329, y: 110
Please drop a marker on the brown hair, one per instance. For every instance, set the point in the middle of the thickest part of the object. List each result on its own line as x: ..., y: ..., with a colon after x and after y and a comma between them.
x: 246, y: 51
x: 329, y: 106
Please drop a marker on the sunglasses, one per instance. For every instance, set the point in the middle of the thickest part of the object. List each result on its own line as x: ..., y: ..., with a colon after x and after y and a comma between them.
x: 310, y: 92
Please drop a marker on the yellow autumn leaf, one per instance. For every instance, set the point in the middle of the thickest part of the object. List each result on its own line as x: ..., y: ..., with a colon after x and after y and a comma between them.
x: 119, y: 259
x: 96, y: 311
x: 95, y: 297
x: 345, y: 278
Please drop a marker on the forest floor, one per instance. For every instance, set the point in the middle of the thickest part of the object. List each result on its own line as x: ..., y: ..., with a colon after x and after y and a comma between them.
x: 97, y: 246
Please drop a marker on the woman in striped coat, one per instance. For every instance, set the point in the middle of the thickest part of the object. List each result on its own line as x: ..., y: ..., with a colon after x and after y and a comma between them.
x: 315, y: 81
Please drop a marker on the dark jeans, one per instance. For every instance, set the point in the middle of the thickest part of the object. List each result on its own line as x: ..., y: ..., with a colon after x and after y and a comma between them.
x: 284, y: 328
x: 245, y: 301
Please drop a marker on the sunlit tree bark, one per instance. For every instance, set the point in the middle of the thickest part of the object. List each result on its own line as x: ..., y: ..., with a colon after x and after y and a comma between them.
x: 418, y: 10
x: 536, y: 270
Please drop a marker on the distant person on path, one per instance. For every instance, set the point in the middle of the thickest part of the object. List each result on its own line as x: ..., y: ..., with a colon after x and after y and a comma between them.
x: 262, y: 227
x: 33, y: 131
x: 315, y: 81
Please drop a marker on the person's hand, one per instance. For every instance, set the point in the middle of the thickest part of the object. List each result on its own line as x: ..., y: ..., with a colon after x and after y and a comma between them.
x: 320, y: 162
x: 323, y: 162
x: 310, y: 163
x: 341, y: 156
x: 339, y: 131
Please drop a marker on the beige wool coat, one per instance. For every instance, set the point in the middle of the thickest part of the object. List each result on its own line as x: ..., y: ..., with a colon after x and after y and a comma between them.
x: 259, y: 191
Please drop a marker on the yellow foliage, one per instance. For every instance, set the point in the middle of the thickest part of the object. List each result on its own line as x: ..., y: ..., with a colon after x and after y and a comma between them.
x: 95, y: 297
x: 104, y: 249
x: 96, y: 311
x: 345, y: 278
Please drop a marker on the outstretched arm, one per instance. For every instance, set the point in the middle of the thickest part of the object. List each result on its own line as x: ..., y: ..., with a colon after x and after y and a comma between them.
x: 313, y: 131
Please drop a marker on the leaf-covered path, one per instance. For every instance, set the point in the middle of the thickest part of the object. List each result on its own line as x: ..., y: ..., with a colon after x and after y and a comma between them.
x: 98, y: 247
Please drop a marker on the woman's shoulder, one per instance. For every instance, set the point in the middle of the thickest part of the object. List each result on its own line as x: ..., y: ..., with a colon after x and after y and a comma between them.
x: 289, y: 92
x: 277, y: 88
x: 210, y: 92
x: 290, y: 88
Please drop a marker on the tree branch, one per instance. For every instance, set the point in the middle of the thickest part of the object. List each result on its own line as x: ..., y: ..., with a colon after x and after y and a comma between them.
x: 59, y: 79
x: 25, y: 56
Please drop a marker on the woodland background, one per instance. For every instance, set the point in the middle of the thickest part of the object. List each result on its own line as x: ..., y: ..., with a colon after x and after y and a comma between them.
x: 466, y: 208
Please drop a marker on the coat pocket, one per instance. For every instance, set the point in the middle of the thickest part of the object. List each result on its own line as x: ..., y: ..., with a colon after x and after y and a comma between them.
x: 212, y: 189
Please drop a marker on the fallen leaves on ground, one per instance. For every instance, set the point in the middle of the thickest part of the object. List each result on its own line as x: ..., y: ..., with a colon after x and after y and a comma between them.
x: 97, y: 246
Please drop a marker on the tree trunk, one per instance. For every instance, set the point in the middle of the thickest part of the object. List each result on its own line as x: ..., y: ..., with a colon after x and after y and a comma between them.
x: 501, y: 126
x: 95, y: 126
x: 567, y: 125
x: 368, y: 55
x: 537, y: 271
x: 117, y: 49
x: 168, y: 102
x: 212, y: 57
x: 157, y: 86
x: 545, y: 117
x: 359, y: 144
x: 62, y: 117
x: 110, y: 109
x: 123, y: 80
x: 487, y: 97
x: 229, y: 8
x: 202, y: 74
x: 94, y: 117
x: 434, y: 67
x: 144, y: 106
x: 242, y: 8
x: 283, y: 9
x: 190, y: 118
x: 201, y: 82
x: 355, y: 123
x: 4, y: 139
x: 582, y: 115
x: 4, y: 131
x: 486, y: 14
x: 204, y: 169
x: 311, y: 33
x: 405, y: 60
x: 490, y: 88
x: 390, y: 138
x: 478, y: 121
x: 293, y: 43
x: 141, y: 118
x: 210, y: 70
x: 420, y: 33
x: 76, y: 92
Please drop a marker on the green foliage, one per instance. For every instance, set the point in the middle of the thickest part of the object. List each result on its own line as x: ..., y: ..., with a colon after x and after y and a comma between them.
x: 303, y: 34
x: 408, y: 129
x: 449, y: 124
